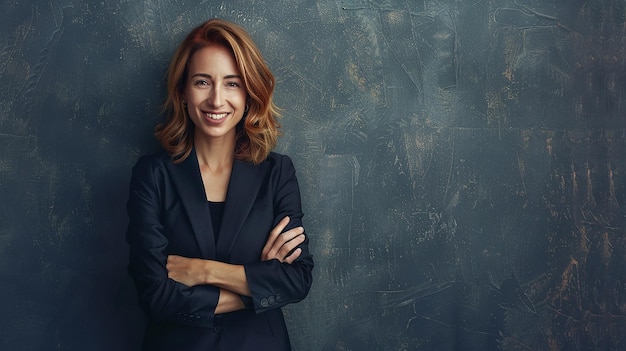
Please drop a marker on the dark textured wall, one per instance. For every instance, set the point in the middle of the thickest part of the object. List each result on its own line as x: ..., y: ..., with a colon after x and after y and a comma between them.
x: 462, y: 163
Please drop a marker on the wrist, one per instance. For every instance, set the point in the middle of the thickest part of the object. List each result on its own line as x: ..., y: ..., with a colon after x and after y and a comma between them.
x: 207, y: 269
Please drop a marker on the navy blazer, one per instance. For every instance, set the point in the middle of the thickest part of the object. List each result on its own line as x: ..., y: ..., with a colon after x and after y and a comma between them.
x: 169, y: 214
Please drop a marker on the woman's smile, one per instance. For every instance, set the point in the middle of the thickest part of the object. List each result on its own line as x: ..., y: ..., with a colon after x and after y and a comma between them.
x: 216, y: 116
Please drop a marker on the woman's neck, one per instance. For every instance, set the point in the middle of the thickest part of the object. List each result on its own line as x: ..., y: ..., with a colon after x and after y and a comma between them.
x: 215, y: 158
x: 215, y: 154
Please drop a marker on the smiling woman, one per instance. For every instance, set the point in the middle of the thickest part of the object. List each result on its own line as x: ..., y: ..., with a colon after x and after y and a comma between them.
x: 216, y: 238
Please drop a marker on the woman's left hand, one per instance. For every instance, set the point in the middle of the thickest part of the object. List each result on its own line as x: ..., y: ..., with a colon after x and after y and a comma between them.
x: 283, y: 246
x: 188, y: 271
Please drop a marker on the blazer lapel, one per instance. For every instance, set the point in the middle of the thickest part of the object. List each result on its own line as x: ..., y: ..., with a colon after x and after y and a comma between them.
x: 188, y: 181
x: 245, y: 182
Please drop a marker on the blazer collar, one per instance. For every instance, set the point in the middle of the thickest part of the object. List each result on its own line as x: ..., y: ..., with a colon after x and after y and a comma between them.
x: 243, y: 187
x: 188, y: 181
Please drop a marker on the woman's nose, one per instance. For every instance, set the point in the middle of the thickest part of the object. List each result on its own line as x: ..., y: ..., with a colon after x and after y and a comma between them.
x: 215, y: 97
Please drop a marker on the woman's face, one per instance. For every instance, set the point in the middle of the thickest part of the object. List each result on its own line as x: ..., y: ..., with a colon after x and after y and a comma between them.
x: 214, y: 92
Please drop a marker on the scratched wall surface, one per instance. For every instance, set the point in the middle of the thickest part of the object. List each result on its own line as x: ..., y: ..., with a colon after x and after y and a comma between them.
x: 463, y: 167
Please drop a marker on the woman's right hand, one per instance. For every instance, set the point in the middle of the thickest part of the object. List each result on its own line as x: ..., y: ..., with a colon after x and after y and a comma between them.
x: 283, y: 246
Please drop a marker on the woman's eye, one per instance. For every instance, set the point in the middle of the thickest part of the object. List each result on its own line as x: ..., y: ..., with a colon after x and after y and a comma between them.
x: 233, y: 85
x: 201, y: 82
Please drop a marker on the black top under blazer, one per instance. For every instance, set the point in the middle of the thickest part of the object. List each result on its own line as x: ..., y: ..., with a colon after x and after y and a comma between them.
x: 169, y: 214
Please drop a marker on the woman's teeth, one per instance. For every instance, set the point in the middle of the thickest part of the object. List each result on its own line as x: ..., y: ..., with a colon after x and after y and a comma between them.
x: 216, y: 116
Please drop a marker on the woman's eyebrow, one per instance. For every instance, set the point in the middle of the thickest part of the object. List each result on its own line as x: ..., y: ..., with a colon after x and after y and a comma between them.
x: 205, y: 75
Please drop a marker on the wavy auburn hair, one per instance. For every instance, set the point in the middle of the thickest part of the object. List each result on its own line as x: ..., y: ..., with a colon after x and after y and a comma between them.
x: 258, y: 132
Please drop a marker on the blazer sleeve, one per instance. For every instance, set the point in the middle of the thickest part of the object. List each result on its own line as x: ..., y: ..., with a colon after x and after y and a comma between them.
x: 274, y: 284
x: 161, y: 297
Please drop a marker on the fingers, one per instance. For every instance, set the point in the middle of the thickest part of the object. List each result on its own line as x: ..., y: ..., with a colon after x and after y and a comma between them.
x: 274, y: 235
x: 173, y: 269
x: 294, y: 255
x: 175, y: 265
x: 284, y: 244
x: 281, y: 244
x: 172, y: 261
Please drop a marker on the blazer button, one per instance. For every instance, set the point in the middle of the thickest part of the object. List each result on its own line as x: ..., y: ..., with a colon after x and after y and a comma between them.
x: 271, y: 300
x: 264, y: 302
x: 218, y: 329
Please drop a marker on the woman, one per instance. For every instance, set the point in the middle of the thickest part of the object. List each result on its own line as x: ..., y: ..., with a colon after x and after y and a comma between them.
x: 215, y: 233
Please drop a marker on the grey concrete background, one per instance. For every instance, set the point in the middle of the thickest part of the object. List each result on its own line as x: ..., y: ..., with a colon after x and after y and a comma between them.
x: 462, y: 165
